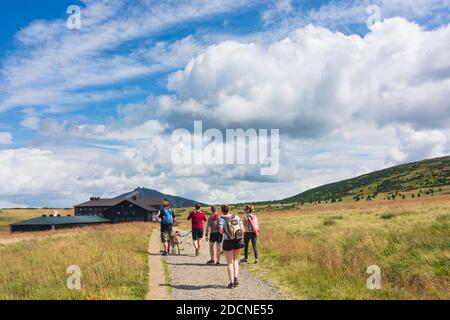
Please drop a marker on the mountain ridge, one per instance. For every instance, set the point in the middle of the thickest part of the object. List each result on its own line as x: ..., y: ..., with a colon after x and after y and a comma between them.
x: 428, y: 173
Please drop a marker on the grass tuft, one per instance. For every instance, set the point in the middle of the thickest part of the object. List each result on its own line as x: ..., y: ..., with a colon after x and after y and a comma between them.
x: 329, y: 222
x: 387, y: 216
x: 443, y: 217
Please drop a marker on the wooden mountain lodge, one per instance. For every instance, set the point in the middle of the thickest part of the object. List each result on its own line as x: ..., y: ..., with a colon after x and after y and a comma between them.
x: 96, y: 211
x: 121, y: 210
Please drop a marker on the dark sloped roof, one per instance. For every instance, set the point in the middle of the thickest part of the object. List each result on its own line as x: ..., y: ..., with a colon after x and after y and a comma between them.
x: 147, y: 202
x: 146, y: 206
x: 51, y: 220
x: 150, y: 204
x: 100, y: 203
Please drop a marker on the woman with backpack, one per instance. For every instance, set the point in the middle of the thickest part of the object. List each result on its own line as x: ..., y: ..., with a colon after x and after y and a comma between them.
x: 251, y: 232
x: 232, y: 229
x: 167, y: 219
x: 213, y: 236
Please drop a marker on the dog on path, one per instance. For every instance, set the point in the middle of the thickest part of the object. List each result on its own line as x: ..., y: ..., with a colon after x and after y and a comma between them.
x: 175, y: 242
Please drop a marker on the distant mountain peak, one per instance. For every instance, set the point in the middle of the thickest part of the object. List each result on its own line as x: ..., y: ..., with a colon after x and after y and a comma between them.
x: 175, y: 201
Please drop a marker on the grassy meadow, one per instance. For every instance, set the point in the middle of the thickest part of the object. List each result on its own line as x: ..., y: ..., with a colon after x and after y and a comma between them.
x: 112, y: 258
x: 323, y: 251
x: 314, y: 251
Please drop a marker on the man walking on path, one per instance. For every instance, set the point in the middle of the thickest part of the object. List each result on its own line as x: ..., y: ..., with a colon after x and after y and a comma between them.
x: 197, y: 218
x: 167, y: 219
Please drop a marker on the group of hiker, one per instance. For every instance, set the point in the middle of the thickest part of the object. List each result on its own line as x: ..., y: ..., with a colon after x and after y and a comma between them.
x: 224, y: 231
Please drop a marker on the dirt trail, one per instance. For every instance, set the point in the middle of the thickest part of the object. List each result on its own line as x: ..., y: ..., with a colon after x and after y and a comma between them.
x: 192, y: 279
x: 157, y: 289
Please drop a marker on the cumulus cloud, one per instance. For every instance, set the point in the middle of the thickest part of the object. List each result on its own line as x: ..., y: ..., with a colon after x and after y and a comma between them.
x: 316, y: 80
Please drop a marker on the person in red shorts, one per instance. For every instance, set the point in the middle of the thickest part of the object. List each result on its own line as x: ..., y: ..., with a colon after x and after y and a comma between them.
x: 197, y: 218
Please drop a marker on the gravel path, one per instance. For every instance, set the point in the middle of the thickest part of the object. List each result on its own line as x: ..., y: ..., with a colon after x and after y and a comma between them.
x: 192, y: 279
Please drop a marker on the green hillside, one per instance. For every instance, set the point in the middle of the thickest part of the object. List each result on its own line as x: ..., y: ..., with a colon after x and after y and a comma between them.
x: 427, y: 176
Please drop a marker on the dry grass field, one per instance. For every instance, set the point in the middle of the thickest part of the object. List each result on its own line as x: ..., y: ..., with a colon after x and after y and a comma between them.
x: 322, y: 252
x: 112, y: 259
x: 318, y: 251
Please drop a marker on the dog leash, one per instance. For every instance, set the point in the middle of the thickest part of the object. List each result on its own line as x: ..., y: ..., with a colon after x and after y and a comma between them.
x: 187, y: 234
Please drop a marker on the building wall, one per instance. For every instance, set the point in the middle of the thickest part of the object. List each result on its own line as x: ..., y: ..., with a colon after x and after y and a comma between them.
x: 90, y: 211
x: 48, y: 227
x: 128, y: 212
x: 30, y: 228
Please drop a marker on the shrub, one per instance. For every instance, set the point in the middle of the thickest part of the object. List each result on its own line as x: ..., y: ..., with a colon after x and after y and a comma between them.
x: 386, y: 216
x: 443, y: 217
x: 328, y: 222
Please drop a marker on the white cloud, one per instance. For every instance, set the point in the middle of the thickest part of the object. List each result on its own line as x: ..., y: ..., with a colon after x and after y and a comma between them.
x: 54, y: 63
x: 341, y: 14
x: 423, y: 144
x: 63, y: 176
x: 279, y: 8
x: 315, y: 80
x: 31, y: 120
x: 5, y: 138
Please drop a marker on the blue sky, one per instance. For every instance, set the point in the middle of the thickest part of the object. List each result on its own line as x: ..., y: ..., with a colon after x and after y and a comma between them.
x: 91, y: 111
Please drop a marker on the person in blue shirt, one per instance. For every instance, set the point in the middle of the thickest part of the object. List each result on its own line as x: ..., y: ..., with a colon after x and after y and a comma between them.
x: 167, y: 219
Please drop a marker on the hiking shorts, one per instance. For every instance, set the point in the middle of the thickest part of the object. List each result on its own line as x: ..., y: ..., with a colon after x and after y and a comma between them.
x: 215, y: 237
x: 229, y: 245
x: 165, y: 233
x: 197, y: 233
